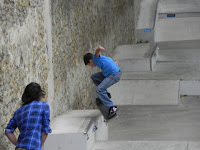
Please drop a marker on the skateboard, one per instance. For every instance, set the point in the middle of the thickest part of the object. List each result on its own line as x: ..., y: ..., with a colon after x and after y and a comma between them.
x: 104, y: 110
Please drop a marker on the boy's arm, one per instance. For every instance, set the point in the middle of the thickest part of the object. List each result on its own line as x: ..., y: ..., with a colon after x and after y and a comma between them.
x: 12, y: 138
x: 100, y: 48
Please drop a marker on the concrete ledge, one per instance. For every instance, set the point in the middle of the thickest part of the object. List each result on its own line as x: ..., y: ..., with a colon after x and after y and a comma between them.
x: 77, y: 130
x: 145, y: 92
x: 147, y: 145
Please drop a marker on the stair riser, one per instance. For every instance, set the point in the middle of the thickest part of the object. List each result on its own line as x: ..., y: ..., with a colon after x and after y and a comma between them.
x: 135, y: 65
x: 145, y: 92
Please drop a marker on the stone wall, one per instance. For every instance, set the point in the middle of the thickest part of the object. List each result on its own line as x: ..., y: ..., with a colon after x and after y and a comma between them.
x: 23, y: 55
x: 77, y: 28
x: 44, y: 41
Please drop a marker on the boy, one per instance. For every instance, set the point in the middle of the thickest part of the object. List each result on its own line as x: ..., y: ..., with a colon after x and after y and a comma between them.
x: 110, y: 75
x: 32, y: 120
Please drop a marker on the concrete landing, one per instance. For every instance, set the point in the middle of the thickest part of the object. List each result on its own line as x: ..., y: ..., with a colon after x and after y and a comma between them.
x: 158, y: 123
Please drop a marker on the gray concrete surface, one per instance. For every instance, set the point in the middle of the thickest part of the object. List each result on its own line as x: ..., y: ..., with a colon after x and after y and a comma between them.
x: 172, y: 6
x: 77, y: 130
x: 166, y: 71
x: 145, y: 35
x: 181, y: 51
x: 185, y: 44
x: 187, y: 73
x: 147, y: 145
x: 180, y: 55
x: 134, y: 57
x: 147, y: 14
x: 145, y: 92
x: 146, y: 20
x: 189, y: 87
x: 132, y: 51
x: 155, y: 127
x: 141, y: 145
x: 177, y: 29
x: 181, y: 28
x: 158, y: 123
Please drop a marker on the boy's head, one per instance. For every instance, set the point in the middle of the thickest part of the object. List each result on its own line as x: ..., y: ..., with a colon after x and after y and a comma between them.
x: 88, y: 59
x: 33, y: 91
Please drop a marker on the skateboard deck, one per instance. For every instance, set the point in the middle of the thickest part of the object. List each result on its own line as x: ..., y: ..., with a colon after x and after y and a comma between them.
x: 104, y: 110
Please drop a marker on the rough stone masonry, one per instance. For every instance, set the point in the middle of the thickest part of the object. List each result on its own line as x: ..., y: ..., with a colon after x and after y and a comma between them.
x: 44, y: 41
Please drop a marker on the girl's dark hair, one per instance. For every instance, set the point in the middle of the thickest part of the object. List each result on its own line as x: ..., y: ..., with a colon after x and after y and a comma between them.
x: 33, y: 91
x: 87, y: 58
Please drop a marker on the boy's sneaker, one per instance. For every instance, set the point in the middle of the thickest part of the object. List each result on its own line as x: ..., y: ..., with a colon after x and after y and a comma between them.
x: 113, y: 109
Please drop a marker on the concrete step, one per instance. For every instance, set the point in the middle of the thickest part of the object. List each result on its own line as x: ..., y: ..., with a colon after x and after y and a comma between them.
x: 136, y: 57
x: 145, y: 92
x: 163, y: 86
x: 147, y: 145
x: 177, y: 29
x: 77, y: 130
